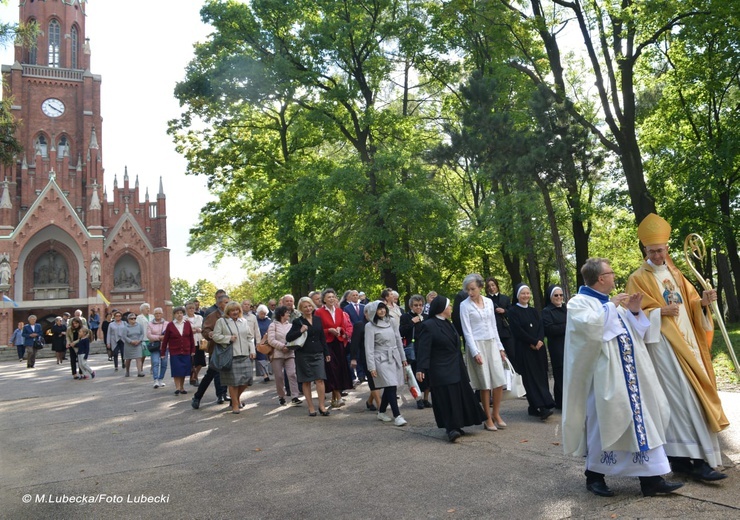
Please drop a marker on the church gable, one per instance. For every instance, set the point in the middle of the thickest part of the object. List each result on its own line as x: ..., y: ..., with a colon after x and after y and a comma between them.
x: 51, y: 207
x: 127, y: 237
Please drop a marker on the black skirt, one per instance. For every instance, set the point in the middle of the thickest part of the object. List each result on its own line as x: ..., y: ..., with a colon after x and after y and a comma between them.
x: 309, y: 367
x: 455, y: 406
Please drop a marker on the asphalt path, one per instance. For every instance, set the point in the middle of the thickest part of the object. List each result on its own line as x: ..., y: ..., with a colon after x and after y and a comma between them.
x: 114, y: 447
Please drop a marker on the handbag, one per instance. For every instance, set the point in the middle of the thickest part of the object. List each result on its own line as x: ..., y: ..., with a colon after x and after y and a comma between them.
x: 203, y: 344
x: 222, y: 355
x: 154, y: 346
x: 514, y: 388
x: 264, y: 347
x: 145, y: 350
x: 298, y: 342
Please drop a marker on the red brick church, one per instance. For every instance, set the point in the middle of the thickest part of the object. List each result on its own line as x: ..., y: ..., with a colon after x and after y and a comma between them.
x: 63, y: 238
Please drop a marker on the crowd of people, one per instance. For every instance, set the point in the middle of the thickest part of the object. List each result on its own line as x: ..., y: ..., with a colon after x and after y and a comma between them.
x: 632, y: 373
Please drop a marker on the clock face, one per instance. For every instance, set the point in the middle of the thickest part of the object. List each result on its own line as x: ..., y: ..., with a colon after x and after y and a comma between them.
x: 52, y: 107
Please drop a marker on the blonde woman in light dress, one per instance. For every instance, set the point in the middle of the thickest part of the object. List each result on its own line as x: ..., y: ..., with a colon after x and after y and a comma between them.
x: 485, y: 353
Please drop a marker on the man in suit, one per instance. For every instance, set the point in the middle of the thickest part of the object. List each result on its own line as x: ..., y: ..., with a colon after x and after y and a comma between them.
x: 355, y: 310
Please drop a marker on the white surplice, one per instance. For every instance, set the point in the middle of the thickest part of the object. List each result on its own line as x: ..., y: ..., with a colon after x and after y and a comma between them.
x: 614, y: 410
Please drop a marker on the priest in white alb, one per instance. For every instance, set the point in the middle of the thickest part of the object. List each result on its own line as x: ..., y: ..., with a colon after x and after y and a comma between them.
x: 679, y: 341
x: 614, y: 411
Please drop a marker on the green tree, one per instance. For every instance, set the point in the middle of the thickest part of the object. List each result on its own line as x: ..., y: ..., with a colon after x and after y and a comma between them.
x: 313, y: 149
x: 614, y: 37
x: 25, y: 34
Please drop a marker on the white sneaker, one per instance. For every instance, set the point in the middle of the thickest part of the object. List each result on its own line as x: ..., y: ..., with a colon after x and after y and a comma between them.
x: 161, y: 383
x: 156, y: 384
x: 383, y: 417
x: 400, y: 421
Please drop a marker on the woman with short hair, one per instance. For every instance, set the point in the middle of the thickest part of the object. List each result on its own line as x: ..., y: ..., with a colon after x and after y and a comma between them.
x: 179, y: 342
x: 155, y: 334
x: 114, y: 338
x: 59, y: 339
x: 485, y: 352
x: 133, y: 343
x: 337, y: 331
x: 282, y: 356
x: 310, y: 359
x: 233, y: 328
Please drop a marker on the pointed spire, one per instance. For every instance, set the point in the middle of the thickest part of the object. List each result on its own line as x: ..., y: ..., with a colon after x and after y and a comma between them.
x: 125, y: 174
x: 115, y: 181
x: 94, y: 200
x: 136, y: 184
x: 146, y: 196
x: 160, y: 195
x: 94, y: 140
x: 5, y: 202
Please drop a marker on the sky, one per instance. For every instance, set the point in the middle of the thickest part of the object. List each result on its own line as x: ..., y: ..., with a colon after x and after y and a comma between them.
x: 141, y: 50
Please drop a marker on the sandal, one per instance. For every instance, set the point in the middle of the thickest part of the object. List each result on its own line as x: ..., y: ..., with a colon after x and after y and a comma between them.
x: 325, y: 413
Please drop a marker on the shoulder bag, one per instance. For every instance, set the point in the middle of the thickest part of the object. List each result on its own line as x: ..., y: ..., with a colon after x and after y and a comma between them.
x: 222, y: 355
x: 514, y: 388
x: 264, y: 347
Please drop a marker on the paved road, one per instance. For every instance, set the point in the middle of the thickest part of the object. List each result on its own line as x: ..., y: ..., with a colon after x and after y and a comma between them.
x: 116, y: 439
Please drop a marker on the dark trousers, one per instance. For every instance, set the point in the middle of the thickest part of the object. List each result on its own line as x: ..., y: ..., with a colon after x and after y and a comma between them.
x: 211, y: 375
x: 21, y: 351
x: 31, y: 353
x: 389, y: 398
x: 73, y: 360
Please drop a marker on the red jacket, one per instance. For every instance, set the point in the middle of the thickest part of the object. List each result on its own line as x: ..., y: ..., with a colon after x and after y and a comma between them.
x: 339, y: 320
x: 179, y: 345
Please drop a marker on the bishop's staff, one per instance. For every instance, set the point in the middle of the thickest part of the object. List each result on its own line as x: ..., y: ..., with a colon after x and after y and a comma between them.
x: 693, y: 246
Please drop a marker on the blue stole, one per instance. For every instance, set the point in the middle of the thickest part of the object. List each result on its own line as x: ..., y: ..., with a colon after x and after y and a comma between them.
x: 629, y: 369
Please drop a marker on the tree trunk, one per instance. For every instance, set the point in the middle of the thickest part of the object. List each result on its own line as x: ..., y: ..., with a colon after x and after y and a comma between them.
x: 557, y: 243
x: 730, y: 242
x: 724, y: 283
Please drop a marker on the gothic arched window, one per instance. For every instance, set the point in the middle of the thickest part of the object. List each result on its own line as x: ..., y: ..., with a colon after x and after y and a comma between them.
x: 63, y: 147
x: 74, y: 35
x: 42, y: 146
x: 55, y: 41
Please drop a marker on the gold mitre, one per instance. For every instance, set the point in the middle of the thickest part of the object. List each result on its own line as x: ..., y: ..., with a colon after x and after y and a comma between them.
x: 654, y: 230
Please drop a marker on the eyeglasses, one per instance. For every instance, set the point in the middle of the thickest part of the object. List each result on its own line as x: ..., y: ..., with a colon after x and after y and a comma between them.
x: 132, y: 318
x: 608, y: 272
x: 658, y: 251
x: 557, y: 295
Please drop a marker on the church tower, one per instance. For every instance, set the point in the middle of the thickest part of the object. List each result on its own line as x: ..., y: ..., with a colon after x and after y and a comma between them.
x: 63, y: 245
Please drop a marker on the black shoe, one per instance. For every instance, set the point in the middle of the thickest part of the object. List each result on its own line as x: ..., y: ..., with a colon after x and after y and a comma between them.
x: 600, y: 488
x: 661, y: 487
x: 453, y: 435
x: 227, y: 398
x: 535, y: 412
x: 420, y: 404
x: 545, y: 413
x: 371, y: 407
x: 681, y: 466
x: 281, y: 400
x: 325, y: 413
x: 427, y: 404
x: 703, y: 471
x: 295, y: 400
x: 344, y: 394
x: 220, y: 399
x: 195, y: 403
